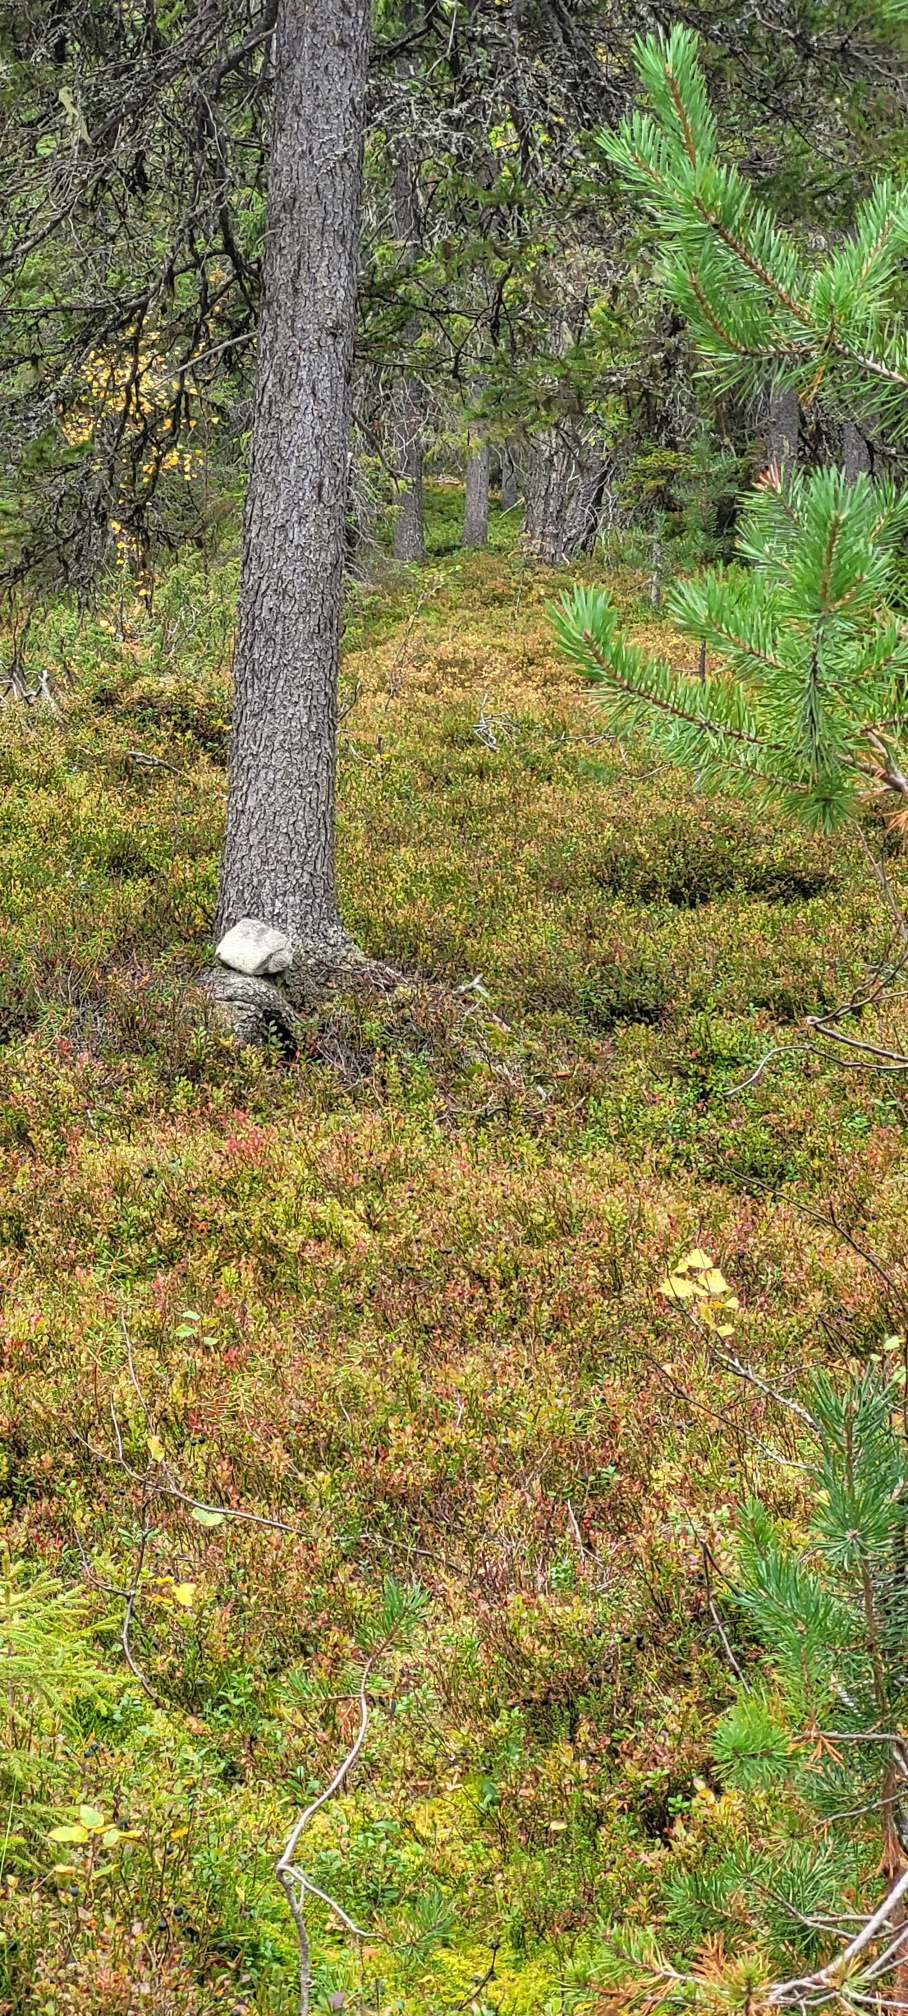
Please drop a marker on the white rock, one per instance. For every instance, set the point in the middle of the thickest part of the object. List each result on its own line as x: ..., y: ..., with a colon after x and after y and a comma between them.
x: 252, y: 947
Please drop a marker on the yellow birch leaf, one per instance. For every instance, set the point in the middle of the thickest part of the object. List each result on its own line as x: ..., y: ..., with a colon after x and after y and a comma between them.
x: 715, y: 1283
x: 156, y: 1448
x: 184, y: 1594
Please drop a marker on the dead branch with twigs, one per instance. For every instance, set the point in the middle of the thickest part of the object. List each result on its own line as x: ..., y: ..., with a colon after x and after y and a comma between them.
x: 822, y: 1036
x: 295, y: 1882
x: 493, y: 729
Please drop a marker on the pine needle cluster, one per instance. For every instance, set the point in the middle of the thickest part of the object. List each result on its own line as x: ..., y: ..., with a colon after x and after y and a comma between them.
x: 802, y: 640
x: 806, y: 708
x: 755, y: 304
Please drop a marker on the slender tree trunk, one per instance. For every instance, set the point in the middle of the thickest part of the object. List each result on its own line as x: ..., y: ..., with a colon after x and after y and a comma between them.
x: 407, y: 414
x: 508, y: 481
x: 406, y: 429
x: 278, y: 862
x: 360, y: 543
x: 476, y: 510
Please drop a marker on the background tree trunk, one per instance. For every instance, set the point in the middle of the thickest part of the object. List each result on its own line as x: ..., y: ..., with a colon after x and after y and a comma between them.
x: 278, y: 861
x: 407, y: 405
x: 566, y: 483
x: 406, y: 429
x: 508, y: 480
x: 476, y: 509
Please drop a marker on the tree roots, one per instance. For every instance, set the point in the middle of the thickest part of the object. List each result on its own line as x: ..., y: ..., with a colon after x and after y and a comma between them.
x: 258, y: 1010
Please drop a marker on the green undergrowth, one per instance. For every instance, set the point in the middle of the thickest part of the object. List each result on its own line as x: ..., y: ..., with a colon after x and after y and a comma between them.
x: 398, y: 1296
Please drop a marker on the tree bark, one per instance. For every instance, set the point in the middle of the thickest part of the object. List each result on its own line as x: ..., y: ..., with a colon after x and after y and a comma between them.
x: 508, y: 480
x: 856, y: 457
x: 406, y: 430
x: 278, y: 862
x: 783, y: 426
x: 566, y: 484
x: 407, y: 415
x: 476, y: 509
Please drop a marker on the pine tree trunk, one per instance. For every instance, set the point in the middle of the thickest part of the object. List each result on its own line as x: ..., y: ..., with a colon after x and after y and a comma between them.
x: 278, y: 861
x: 476, y: 510
x: 406, y: 431
x: 546, y: 499
x: 585, y: 501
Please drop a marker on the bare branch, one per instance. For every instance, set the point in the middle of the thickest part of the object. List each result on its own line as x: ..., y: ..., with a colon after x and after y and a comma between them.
x: 295, y: 1883
x: 125, y: 1640
x: 792, y: 1992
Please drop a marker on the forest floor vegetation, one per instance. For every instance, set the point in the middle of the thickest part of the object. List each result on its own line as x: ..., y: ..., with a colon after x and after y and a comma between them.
x: 399, y: 1296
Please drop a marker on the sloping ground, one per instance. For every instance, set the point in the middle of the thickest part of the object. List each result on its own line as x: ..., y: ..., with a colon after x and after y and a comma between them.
x: 400, y: 1299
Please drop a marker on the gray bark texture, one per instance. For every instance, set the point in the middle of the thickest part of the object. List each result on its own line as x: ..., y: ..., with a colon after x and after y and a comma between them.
x: 406, y: 432
x: 856, y: 456
x: 476, y: 508
x: 508, y: 480
x: 566, y: 485
x: 278, y: 861
x: 783, y: 426
x: 407, y: 414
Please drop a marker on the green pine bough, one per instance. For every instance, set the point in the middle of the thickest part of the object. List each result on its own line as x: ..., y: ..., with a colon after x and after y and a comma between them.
x: 804, y: 703
x: 753, y: 301
x: 810, y: 702
x: 789, y: 1888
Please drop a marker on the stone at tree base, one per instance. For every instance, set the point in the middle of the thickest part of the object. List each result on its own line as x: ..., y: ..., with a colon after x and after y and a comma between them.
x: 253, y: 948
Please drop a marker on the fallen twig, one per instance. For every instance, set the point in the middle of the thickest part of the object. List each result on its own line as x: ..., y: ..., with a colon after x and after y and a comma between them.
x: 146, y: 761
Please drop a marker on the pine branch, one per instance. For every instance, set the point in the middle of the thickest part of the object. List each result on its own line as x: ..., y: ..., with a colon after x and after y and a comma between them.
x: 739, y: 278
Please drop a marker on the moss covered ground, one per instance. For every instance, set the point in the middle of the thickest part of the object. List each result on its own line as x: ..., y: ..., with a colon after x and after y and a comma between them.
x: 399, y: 1299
